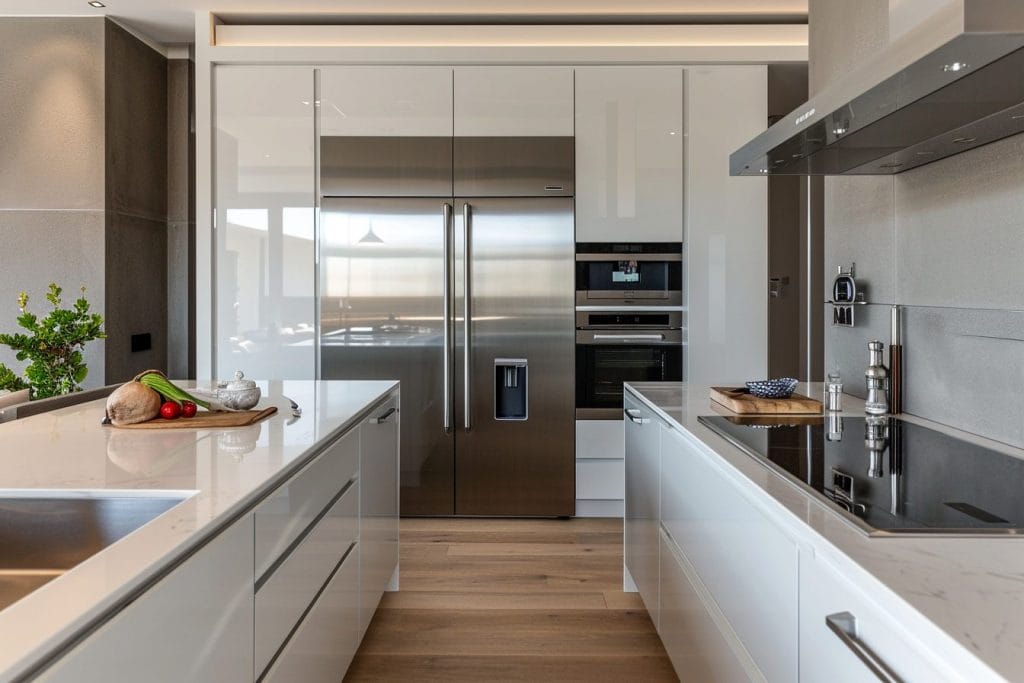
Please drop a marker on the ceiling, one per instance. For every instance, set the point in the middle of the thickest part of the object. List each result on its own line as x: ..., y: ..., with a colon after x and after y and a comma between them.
x: 172, y: 21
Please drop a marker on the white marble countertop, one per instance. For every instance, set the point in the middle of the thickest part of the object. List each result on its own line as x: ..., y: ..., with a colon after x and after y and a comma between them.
x: 225, y: 471
x: 961, y: 596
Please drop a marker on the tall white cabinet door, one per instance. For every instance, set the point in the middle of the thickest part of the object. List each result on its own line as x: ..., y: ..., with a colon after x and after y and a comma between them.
x: 194, y: 625
x: 529, y: 101
x: 726, y: 227
x: 264, y: 198
x: 386, y: 101
x: 629, y: 154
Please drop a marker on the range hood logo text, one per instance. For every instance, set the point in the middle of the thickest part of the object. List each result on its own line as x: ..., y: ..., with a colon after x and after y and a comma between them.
x: 806, y: 115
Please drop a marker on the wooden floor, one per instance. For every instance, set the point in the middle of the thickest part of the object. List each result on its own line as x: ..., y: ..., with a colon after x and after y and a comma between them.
x: 511, y: 600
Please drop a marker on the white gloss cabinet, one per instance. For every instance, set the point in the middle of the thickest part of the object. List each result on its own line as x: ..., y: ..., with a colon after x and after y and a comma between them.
x: 386, y: 101
x: 324, y: 644
x: 749, y: 566
x: 600, y: 468
x: 629, y: 154
x: 263, y: 198
x: 378, y: 506
x: 693, y: 638
x: 506, y: 101
x: 195, y: 624
x: 643, y: 504
x: 824, y: 594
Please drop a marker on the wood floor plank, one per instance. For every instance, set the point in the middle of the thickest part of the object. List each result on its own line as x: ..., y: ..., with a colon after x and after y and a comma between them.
x: 446, y: 600
x: 523, y: 632
x: 473, y: 574
x: 510, y: 668
x: 532, y: 550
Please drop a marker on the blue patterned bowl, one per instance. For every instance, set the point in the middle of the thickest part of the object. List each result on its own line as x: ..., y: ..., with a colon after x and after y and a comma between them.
x: 773, y: 388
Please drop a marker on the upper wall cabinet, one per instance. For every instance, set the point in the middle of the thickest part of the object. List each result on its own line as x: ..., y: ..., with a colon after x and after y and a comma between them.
x: 629, y: 154
x: 263, y: 195
x: 513, y: 101
x: 386, y: 101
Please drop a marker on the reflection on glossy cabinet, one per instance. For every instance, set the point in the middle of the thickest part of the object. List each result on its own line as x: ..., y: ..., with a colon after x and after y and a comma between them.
x: 643, y: 462
x: 194, y: 625
x: 513, y: 100
x: 378, y: 506
x: 629, y: 154
x: 386, y: 101
x: 263, y: 197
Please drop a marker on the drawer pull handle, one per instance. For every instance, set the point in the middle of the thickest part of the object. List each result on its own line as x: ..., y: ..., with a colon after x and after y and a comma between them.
x: 634, y: 416
x: 381, y: 419
x: 844, y: 625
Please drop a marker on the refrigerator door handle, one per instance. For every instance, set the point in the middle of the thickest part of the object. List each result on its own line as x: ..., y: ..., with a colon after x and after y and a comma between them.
x: 467, y: 315
x: 446, y: 319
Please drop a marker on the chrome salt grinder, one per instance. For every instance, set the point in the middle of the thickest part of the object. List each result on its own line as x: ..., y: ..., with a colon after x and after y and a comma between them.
x: 877, y: 378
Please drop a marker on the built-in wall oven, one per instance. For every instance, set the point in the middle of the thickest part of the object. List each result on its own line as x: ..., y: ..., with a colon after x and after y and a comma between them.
x: 649, y: 273
x: 629, y: 322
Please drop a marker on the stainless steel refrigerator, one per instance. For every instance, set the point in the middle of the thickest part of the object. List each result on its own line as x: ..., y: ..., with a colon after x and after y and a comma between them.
x: 448, y: 264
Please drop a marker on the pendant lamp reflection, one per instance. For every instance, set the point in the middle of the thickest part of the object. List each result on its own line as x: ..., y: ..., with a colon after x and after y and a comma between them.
x: 370, y: 237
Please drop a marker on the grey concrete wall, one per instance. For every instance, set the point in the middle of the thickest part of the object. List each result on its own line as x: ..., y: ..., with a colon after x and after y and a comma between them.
x: 181, y: 220
x: 136, y: 203
x: 946, y: 241
x: 52, y: 141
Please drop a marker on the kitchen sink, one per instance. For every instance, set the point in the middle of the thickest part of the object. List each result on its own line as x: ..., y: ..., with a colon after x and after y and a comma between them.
x: 45, y: 533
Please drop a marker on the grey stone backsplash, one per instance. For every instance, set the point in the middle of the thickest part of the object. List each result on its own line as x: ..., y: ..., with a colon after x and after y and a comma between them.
x: 963, y: 367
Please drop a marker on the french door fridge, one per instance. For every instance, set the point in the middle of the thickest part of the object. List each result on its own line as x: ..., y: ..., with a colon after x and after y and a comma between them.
x: 448, y: 265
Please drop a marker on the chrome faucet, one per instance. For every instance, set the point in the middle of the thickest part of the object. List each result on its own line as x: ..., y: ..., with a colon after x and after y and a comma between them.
x: 877, y: 377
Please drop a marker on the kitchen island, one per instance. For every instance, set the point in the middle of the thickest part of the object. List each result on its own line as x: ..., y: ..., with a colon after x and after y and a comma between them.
x: 748, y: 576
x: 286, y: 529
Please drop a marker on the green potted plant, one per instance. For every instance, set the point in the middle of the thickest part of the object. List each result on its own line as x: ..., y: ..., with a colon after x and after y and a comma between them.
x: 53, y: 346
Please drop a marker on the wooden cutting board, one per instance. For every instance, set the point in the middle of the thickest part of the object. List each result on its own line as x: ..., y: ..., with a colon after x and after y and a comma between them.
x: 206, y: 420
x: 739, y: 401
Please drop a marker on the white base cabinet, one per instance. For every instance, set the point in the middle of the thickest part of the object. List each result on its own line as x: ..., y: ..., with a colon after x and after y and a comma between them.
x: 736, y: 593
x: 195, y: 624
x: 824, y: 655
x: 643, y: 504
x: 283, y: 594
x: 696, y: 636
x: 327, y: 640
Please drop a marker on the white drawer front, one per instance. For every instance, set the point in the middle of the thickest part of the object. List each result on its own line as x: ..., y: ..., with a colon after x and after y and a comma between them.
x: 293, y: 507
x: 824, y: 656
x: 600, y: 439
x: 600, y: 479
x: 322, y: 648
x: 746, y: 562
x: 698, y: 649
x: 292, y: 586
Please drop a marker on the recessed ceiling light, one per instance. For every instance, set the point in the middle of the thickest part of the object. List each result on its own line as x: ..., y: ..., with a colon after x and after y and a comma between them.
x: 954, y: 67
x: 96, y: 3
x: 839, y: 130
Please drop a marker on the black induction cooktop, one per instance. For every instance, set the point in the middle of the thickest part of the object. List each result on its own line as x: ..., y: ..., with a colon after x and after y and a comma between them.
x: 888, y: 476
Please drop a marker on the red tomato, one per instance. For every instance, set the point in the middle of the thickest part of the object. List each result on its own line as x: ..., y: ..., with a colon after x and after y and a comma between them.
x: 170, y: 410
x: 188, y: 409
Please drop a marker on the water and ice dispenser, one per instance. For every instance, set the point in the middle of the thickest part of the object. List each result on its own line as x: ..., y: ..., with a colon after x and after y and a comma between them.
x: 510, y: 388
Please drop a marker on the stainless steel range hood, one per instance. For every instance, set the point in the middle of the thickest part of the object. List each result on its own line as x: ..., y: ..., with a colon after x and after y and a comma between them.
x: 954, y: 83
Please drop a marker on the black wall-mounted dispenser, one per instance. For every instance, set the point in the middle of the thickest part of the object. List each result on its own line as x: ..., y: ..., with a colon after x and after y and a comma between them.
x: 510, y: 394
